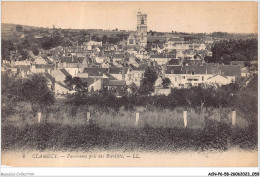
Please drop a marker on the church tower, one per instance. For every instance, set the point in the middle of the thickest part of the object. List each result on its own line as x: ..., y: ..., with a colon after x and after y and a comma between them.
x: 142, y: 29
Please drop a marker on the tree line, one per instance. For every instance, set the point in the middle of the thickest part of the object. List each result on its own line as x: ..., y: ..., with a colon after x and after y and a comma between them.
x: 226, y: 51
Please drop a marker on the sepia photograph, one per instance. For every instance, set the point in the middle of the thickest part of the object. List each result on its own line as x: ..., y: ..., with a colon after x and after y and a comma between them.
x: 129, y: 84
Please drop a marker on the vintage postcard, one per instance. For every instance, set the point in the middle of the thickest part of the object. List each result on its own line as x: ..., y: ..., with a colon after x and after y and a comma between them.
x: 129, y: 84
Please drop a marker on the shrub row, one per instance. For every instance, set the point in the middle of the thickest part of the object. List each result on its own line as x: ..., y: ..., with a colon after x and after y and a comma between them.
x: 195, y: 97
x: 214, y: 136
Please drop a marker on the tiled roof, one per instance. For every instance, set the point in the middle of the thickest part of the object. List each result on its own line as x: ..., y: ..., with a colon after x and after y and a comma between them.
x: 173, y: 70
x: 65, y: 72
x: 225, y: 70
x: 230, y: 70
x: 116, y: 83
x: 69, y: 59
x: 73, y: 65
x: 117, y: 70
x: 95, y: 71
x: 163, y: 56
x: 50, y: 77
x: 217, y: 75
x: 22, y: 67
x: 31, y: 54
x: 63, y: 85
x: 110, y: 77
x: 44, y: 66
x: 174, y: 62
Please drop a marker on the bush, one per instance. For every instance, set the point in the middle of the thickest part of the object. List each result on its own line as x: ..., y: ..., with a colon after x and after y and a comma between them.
x: 214, y: 136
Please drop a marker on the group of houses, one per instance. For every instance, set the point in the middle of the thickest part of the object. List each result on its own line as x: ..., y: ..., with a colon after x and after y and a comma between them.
x: 122, y: 70
x: 111, y: 66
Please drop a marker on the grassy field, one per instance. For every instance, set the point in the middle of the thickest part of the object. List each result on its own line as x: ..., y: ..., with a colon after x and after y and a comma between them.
x: 65, y: 127
x: 154, y: 117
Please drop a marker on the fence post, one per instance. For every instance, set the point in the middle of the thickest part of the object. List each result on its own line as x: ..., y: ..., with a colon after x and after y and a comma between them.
x: 136, y: 118
x: 234, y: 114
x: 185, y: 118
x: 88, y: 116
x: 39, y: 117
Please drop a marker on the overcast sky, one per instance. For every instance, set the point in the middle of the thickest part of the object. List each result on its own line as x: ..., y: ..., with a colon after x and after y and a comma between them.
x: 238, y: 17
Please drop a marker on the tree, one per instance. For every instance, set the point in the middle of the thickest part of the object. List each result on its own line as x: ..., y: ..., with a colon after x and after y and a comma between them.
x: 166, y: 82
x: 247, y: 64
x: 10, y: 92
x: 235, y: 50
x: 6, y: 47
x: 68, y: 81
x: 35, y: 50
x: 146, y: 87
x: 133, y: 88
x: 147, y: 83
x: 35, y: 90
x: 23, y: 53
x: 95, y: 38
x: 75, y: 82
x: 32, y: 90
x: 151, y: 75
x: 25, y: 44
x: 104, y: 38
x: 19, y: 28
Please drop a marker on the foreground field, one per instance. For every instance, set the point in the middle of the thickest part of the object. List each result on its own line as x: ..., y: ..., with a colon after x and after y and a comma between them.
x: 122, y: 118
x: 214, y: 135
x: 67, y: 127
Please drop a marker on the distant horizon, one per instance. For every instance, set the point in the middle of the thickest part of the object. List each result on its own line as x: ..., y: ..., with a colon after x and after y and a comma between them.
x: 182, y: 17
x: 127, y: 30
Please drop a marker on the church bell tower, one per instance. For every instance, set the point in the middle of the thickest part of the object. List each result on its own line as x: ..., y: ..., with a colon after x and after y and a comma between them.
x: 142, y: 29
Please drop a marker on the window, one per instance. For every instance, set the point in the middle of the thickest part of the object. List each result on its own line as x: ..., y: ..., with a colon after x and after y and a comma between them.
x: 131, y: 41
x: 175, y: 79
x: 193, y: 72
x: 142, y: 21
x: 202, y: 78
x: 183, y: 77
